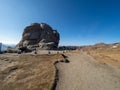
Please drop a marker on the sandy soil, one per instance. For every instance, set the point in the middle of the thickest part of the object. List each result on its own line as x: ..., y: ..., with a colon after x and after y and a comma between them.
x: 27, y: 71
x: 85, y: 73
x: 37, y: 72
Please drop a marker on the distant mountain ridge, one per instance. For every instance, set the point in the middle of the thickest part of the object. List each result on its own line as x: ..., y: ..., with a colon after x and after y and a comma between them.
x: 100, y: 46
x: 5, y: 46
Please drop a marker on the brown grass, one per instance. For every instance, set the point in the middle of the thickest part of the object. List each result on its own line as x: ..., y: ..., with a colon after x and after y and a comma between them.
x: 29, y: 72
x: 106, y: 55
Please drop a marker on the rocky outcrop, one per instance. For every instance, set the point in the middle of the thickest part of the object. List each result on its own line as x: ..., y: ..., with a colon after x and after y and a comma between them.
x: 39, y: 36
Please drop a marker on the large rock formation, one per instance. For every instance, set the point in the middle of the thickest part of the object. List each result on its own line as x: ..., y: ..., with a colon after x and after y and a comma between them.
x: 39, y: 36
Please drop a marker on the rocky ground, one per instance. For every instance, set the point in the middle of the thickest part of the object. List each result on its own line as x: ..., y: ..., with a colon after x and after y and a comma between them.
x: 87, y: 70
x: 28, y: 71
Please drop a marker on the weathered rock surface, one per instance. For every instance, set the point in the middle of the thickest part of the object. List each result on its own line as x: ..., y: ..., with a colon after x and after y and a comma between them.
x: 39, y: 36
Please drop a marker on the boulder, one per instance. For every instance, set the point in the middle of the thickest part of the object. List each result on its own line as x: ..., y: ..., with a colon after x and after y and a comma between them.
x: 39, y: 36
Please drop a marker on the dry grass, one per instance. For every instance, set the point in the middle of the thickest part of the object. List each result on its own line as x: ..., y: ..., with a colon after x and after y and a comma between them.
x: 28, y: 72
x: 106, y: 55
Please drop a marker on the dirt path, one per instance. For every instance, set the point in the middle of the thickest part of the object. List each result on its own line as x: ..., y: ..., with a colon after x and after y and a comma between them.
x: 84, y: 73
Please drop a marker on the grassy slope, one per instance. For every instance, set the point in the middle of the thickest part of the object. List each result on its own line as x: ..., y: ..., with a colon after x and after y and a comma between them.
x: 28, y: 72
x: 105, y: 55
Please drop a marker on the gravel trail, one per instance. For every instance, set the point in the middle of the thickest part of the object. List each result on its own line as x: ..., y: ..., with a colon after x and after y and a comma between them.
x: 84, y: 73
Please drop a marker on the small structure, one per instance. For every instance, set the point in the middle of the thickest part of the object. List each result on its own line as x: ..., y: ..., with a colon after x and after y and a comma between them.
x: 0, y: 47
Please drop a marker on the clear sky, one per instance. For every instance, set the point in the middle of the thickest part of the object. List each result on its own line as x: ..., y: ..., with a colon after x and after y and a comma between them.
x: 79, y: 22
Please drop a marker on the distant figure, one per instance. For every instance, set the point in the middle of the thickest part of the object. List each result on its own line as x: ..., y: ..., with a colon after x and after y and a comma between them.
x: 35, y: 51
x: 57, y: 52
x: 49, y: 52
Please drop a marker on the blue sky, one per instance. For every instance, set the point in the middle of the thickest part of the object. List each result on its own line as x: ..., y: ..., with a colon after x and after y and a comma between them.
x: 79, y: 22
